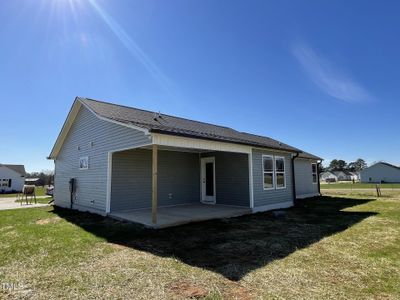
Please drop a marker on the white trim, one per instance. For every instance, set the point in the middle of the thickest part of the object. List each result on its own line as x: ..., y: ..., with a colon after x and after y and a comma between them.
x: 251, y: 188
x: 109, y: 173
x: 273, y: 206
x: 109, y: 181
x: 87, y: 162
x: 284, y: 173
x: 273, y: 172
x: 193, y: 143
x: 204, y: 198
x: 303, y: 196
x: 274, y: 150
x: 316, y: 173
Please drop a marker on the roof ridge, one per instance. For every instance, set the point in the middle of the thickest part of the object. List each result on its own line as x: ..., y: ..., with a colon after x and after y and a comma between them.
x: 168, y: 115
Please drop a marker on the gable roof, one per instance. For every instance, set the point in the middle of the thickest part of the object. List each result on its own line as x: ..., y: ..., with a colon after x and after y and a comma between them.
x: 20, y: 169
x: 309, y: 156
x: 151, y: 122
x: 386, y: 164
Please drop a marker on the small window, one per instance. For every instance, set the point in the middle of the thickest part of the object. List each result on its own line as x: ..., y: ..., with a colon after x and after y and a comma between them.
x: 280, y: 172
x: 268, y: 172
x: 314, y: 173
x: 5, y: 183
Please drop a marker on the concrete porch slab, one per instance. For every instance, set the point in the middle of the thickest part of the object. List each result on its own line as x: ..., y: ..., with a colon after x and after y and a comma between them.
x: 180, y: 214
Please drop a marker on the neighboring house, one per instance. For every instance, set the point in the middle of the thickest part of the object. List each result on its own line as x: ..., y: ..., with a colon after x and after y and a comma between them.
x: 11, y: 178
x: 328, y: 177
x: 140, y: 166
x: 381, y: 172
x: 343, y: 175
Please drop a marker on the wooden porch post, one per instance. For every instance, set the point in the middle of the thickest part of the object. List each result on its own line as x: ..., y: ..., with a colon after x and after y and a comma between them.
x: 154, y: 185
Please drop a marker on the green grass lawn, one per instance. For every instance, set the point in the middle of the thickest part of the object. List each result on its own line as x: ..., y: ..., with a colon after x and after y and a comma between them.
x: 330, y: 247
x: 40, y: 191
x: 358, y: 185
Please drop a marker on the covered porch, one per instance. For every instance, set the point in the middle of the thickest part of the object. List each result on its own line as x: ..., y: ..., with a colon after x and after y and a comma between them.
x: 161, y: 185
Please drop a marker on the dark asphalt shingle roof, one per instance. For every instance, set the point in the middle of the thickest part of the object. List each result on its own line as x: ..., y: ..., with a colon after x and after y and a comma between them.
x: 167, y: 124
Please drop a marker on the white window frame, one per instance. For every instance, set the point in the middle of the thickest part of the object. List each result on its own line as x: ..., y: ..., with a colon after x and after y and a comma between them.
x: 273, y: 172
x: 316, y: 173
x: 5, y: 182
x: 84, y: 158
x: 280, y: 172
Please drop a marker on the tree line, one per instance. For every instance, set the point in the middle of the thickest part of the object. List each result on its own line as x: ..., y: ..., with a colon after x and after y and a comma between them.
x: 46, y: 177
x: 341, y: 165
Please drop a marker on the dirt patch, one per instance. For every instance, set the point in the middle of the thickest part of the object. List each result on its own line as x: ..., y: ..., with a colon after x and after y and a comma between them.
x: 236, y: 291
x: 53, y: 220
x: 186, y: 289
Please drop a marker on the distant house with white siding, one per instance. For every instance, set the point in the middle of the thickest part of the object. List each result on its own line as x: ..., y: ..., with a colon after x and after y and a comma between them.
x: 328, y: 177
x: 11, y: 178
x: 381, y: 172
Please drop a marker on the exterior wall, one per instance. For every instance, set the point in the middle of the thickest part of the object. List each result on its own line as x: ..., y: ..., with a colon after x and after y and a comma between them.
x: 17, y: 180
x: 275, y: 198
x: 304, y: 180
x: 380, y: 172
x: 91, y: 184
x: 231, y: 178
x: 178, y: 179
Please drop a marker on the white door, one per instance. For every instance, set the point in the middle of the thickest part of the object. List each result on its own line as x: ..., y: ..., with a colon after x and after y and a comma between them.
x: 208, y: 180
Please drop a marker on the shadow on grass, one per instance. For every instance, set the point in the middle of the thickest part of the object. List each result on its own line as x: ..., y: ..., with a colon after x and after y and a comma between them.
x: 232, y: 247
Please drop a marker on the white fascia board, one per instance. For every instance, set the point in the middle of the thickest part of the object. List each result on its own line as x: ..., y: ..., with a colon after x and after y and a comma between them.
x: 201, y: 144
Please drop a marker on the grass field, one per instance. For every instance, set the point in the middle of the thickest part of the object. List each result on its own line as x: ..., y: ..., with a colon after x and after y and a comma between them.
x: 331, y: 247
x: 357, y: 185
x: 40, y: 191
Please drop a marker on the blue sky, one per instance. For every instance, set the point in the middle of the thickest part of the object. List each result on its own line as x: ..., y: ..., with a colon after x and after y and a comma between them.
x: 323, y: 76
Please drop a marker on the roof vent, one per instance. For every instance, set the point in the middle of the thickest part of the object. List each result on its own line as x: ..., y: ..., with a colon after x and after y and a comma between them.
x: 157, y: 115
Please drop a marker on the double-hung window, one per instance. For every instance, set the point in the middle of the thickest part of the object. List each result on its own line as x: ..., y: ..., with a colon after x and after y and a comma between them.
x: 280, y: 172
x: 314, y: 173
x: 268, y: 171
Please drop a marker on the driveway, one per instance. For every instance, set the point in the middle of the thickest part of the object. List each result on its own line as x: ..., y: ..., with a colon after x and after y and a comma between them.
x: 9, y: 203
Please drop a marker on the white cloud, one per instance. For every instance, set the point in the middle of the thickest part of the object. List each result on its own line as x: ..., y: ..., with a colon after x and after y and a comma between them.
x: 328, y: 78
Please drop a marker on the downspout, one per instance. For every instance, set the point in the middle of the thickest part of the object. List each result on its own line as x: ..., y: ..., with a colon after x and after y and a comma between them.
x: 293, y: 177
x: 319, y: 183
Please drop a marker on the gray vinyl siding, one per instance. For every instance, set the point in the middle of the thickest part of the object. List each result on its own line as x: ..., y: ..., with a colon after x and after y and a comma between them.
x: 231, y: 178
x: 92, y: 183
x: 178, y: 179
x: 275, y: 196
x: 380, y: 172
x: 304, y: 179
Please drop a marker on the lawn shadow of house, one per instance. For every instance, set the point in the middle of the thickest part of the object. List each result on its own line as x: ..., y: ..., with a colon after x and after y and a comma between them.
x: 231, y: 247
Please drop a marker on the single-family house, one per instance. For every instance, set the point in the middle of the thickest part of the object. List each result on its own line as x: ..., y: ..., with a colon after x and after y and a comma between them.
x: 161, y: 170
x: 328, y: 176
x: 343, y: 175
x: 381, y: 172
x: 11, y: 178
